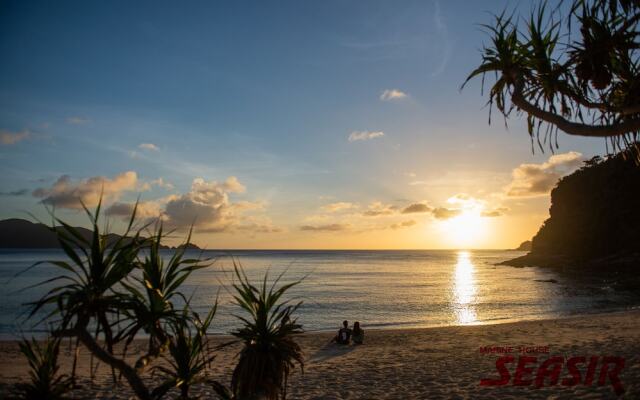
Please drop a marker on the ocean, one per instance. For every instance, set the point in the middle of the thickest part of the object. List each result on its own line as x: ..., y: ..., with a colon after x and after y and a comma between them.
x: 381, y: 289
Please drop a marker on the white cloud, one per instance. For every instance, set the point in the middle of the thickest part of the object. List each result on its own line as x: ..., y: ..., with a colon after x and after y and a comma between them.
x: 160, y: 182
x: 65, y: 193
x: 78, y: 120
x: 148, y: 146
x: 145, y: 210
x: 404, y: 224
x: 445, y: 213
x: 205, y: 206
x: 379, y: 209
x: 418, y: 183
x: 7, y: 137
x: 529, y: 180
x: 392, y: 94
x: 19, y: 192
x: 417, y: 208
x: 496, y: 212
x: 364, y: 135
x: 444, y: 41
x: 339, y: 206
x: 325, y: 228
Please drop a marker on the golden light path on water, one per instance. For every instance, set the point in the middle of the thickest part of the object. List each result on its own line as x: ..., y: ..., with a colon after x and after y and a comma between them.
x: 464, y: 290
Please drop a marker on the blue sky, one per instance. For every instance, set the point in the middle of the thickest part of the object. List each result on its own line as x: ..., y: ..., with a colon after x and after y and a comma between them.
x: 268, y: 93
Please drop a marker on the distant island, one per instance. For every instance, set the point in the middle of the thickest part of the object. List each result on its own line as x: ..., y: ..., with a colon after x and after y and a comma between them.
x: 594, y: 219
x: 16, y: 233
x: 524, y: 246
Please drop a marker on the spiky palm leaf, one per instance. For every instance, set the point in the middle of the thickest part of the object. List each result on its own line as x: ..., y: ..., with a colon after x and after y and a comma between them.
x: 188, y: 356
x: 585, y: 85
x: 94, y: 268
x: 270, y: 351
x: 151, y: 309
x: 45, y: 382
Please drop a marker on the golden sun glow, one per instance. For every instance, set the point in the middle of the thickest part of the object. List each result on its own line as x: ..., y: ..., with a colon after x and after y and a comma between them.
x: 466, y: 229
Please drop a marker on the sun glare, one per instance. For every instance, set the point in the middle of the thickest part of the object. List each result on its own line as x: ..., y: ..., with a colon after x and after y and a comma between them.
x: 466, y: 229
x: 464, y: 290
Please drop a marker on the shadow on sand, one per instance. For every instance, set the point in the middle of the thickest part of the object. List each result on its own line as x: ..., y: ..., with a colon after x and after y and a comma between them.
x: 331, y: 350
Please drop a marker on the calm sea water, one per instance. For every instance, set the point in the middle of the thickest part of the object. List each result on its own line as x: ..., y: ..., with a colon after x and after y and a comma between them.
x: 381, y: 289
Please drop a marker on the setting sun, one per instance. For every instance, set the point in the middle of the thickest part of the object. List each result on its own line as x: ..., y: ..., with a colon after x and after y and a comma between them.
x: 466, y: 229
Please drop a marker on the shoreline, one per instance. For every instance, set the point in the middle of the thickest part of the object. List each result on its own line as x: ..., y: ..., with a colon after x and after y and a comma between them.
x: 433, y: 362
x: 8, y: 338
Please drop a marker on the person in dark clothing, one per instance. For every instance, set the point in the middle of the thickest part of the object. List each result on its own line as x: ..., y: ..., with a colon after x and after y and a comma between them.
x: 357, y: 334
x: 344, y: 334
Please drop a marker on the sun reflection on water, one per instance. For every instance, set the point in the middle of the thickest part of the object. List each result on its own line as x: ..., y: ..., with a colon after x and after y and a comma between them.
x: 464, y: 290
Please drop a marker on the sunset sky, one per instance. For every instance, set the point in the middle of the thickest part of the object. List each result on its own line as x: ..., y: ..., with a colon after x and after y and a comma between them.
x: 329, y: 124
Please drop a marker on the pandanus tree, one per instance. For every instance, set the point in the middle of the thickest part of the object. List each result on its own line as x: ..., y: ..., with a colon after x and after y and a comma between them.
x: 270, y: 351
x: 573, y: 67
x: 46, y: 382
x: 111, y: 290
x: 188, y: 355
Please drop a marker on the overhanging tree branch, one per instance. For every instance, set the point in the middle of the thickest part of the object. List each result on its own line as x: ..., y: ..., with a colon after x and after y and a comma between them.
x: 569, y: 127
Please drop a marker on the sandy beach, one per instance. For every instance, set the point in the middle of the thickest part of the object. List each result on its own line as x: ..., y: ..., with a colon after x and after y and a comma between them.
x: 430, y: 363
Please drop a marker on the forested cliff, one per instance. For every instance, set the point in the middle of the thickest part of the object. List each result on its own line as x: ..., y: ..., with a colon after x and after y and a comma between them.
x: 595, y: 212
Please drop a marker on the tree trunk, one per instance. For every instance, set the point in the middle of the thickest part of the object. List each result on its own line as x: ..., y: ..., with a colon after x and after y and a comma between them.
x: 129, y: 372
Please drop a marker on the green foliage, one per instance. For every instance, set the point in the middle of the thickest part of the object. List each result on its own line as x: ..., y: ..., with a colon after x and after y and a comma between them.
x: 116, y: 288
x: 150, y: 306
x: 94, y: 268
x: 270, y: 351
x: 583, y: 82
x: 188, y: 356
x: 45, y: 383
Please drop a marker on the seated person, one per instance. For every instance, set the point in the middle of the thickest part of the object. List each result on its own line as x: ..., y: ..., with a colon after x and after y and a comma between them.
x: 358, y: 333
x: 344, y: 334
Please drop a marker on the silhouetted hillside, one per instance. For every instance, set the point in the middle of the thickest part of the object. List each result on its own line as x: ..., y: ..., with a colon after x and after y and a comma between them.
x: 594, y: 215
x: 595, y: 212
x: 524, y: 246
x: 18, y: 233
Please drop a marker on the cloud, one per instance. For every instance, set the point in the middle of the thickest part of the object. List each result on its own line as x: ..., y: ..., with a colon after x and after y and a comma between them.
x: 392, y: 94
x: 445, y: 213
x: 65, y: 193
x: 496, y: 212
x: 325, y: 228
x: 339, y: 206
x: 8, y: 138
x: 206, y: 205
x: 418, y: 183
x: 364, y: 135
x: 148, y: 146
x: 160, y: 182
x: 20, y: 192
x: 404, y: 224
x: 145, y: 210
x: 255, y: 227
x: 529, y: 180
x: 417, y: 208
x: 460, y: 198
x: 377, y: 209
x: 78, y: 120
x: 444, y: 41
x: 467, y: 202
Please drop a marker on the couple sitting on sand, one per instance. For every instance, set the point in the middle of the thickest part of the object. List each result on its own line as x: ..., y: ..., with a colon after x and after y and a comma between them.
x: 345, y: 334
